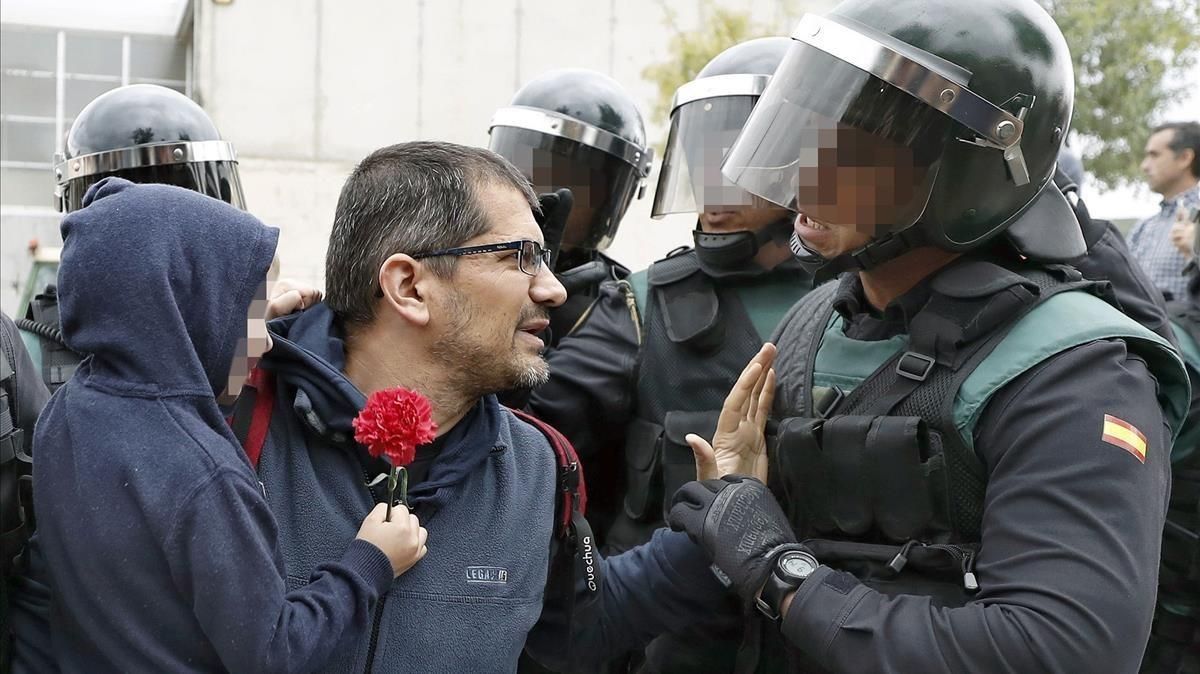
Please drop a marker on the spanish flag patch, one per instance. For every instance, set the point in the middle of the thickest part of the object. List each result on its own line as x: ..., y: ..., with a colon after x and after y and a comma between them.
x: 1124, y: 435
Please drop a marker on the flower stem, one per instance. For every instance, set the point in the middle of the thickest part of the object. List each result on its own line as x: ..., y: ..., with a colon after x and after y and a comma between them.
x: 391, y: 493
x: 403, y: 478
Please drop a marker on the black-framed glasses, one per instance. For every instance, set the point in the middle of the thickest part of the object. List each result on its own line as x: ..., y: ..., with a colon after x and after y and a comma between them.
x: 530, y: 254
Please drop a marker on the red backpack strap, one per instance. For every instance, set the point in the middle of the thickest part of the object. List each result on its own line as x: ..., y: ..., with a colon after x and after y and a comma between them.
x: 577, y: 559
x: 251, y: 417
x: 570, y: 480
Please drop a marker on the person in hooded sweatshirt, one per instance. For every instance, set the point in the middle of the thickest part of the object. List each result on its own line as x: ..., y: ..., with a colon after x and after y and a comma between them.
x: 159, y: 546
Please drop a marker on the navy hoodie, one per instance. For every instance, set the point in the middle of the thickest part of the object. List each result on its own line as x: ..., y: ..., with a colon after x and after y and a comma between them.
x: 161, y: 551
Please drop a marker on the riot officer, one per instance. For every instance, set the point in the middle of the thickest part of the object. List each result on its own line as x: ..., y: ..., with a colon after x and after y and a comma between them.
x: 972, y: 442
x: 580, y: 131
x: 657, y: 352
x: 144, y: 133
x: 1175, y: 638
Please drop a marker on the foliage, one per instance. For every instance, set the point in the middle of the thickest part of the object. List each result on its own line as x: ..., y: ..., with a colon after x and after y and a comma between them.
x: 1132, y: 60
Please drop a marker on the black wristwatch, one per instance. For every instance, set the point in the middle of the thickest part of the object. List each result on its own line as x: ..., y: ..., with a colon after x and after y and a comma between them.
x: 791, y: 568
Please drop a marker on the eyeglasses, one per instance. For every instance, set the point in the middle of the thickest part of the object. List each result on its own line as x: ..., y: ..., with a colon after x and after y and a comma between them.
x: 530, y: 254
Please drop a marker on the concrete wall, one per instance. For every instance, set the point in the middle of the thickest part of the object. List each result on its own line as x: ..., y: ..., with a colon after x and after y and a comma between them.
x: 305, y: 88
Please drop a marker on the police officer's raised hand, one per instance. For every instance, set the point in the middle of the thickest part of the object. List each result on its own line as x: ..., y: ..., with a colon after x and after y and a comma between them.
x: 402, y: 539
x: 739, y: 523
x: 739, y: 446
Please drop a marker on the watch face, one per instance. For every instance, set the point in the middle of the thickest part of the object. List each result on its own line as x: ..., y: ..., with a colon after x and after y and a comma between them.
x: 797, y: 564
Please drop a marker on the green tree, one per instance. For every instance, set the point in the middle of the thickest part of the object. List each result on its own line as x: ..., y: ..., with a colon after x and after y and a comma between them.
x: 1132, y: 59
x: 690, y: 50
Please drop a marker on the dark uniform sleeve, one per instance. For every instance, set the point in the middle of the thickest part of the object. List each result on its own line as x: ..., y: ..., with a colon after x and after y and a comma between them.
x: 664, y: 585
x: 1070, y: 540
x: 589, y: 396
x: 31, y: 390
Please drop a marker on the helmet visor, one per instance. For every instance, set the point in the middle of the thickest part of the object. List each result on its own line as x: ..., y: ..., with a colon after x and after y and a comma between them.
x: 602, y: 184
x: 690, y: 180
x: 840, y: 145
x: 217, y: 179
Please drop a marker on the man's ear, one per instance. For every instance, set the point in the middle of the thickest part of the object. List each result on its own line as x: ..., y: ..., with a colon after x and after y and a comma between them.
x: 403, y: 281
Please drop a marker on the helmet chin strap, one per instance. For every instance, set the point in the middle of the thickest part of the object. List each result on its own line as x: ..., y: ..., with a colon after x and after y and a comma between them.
x: 875, y: 253
x: 732, y: 253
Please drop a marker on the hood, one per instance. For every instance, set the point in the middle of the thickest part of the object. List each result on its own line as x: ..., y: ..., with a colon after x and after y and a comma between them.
x: 309, y: 355
x: 155, y: 283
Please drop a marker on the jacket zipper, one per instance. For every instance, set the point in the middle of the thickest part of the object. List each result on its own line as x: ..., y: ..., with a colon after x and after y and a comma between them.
x: 378, y: 617
x: 375, y: 634
x: 964, y: 556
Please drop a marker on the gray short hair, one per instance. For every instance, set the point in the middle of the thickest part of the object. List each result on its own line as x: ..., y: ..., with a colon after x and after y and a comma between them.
x: 408, y: 198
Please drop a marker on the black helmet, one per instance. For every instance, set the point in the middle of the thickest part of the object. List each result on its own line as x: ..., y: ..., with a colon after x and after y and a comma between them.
x: 955, y: 109
x: 1070, y: 170
x: 706, y: 116
x: 147, y: 134
x: 581, y: 130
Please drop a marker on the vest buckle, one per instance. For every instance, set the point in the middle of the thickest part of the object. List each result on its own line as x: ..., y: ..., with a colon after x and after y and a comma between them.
x: 915, y: 366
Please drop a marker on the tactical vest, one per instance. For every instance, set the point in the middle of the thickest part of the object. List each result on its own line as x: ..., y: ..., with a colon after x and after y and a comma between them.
x: 57, y: 361
x: 698, y: 333
x: 874, y: 458
x: 16, y: 468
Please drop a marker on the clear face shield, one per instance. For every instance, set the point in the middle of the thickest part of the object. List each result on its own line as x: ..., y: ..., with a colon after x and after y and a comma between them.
x: 707, y: 116
x: 853, y: 125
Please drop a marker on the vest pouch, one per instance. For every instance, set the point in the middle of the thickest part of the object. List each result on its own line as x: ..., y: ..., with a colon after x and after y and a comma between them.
x: 943, y: 572
x: 877, y: 474
x: 643, y: 452
x: 678, y: 460
x: 799, y: 476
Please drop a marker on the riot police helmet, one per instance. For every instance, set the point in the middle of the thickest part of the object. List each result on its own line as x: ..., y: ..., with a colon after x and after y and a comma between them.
x: 917, y: 123
x: 581, y: 130
x: 146, y: 133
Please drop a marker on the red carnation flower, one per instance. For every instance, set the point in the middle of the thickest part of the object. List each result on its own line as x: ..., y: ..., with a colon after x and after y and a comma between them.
x: 393, y: 423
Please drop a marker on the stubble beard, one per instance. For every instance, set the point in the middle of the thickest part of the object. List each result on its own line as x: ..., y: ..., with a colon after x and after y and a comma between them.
x: 475, y: 370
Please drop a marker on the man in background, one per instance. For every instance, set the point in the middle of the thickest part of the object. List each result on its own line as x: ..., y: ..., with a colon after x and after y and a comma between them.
x: 1172, y: 168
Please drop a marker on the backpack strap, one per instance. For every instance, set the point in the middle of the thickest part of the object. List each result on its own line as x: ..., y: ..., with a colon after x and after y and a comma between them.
x: 577, y: 557
x: 569, y: 476
x: 251, y: 418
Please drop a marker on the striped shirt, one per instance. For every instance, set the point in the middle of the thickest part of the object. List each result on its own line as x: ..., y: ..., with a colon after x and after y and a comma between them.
x: 1150, y: 243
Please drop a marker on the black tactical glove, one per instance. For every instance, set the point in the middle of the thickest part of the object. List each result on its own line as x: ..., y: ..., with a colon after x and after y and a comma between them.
x: 739, y: 523
x: 556, y: 206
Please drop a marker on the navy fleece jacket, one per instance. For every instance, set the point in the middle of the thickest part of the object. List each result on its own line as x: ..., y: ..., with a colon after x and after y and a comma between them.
x: 160, y: 549
x: 481, y: 595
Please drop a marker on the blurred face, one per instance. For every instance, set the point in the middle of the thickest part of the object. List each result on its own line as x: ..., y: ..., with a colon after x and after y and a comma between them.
x: 589, y: 189
x: 255, y: 340
x: 722, y: 220
x: 1163, y: 167
x: 488, y: 313
x: 860, y: 186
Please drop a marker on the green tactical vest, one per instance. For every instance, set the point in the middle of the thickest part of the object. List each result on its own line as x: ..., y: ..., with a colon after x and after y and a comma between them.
x: 697, y: 333
x: 878, y: 495
x: 1060, y: 323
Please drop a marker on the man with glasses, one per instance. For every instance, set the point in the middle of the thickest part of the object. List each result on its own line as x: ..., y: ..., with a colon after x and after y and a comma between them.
x: 437, y: 280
